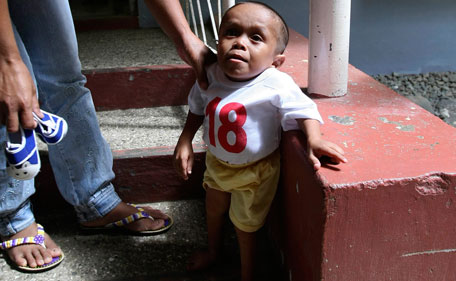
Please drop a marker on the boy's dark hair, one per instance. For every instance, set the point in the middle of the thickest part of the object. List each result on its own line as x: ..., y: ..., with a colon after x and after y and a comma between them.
x: 282, y: 40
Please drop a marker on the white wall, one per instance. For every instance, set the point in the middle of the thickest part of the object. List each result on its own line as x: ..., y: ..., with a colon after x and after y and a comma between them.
x: 404, y: 36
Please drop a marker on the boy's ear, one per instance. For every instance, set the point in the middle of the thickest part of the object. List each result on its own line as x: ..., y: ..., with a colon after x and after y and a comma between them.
x: 278, y: 60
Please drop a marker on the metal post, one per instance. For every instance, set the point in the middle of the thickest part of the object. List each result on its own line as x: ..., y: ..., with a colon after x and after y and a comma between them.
x: 329, y: 36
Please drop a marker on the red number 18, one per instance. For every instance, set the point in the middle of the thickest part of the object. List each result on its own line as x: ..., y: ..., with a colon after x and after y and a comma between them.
x: 227, y: 126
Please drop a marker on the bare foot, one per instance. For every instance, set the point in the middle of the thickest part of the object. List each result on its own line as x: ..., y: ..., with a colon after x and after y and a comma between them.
x: 123, y: 210
x: 30, y: 254
x: 201, y: 260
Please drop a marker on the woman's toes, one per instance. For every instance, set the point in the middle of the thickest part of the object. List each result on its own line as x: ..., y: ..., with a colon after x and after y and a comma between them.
x: 31, y: 259
x: 19, y: 260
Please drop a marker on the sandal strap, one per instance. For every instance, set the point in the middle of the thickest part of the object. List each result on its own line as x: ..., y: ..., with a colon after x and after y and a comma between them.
x: 131, y: 218
x: 38, y: 239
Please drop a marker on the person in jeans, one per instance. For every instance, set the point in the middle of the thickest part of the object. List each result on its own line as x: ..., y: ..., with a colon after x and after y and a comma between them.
x: 40, y: 68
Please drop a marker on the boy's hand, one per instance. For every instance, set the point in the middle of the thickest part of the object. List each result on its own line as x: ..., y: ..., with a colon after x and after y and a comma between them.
x: 320, y: 147
x: 183, y: 159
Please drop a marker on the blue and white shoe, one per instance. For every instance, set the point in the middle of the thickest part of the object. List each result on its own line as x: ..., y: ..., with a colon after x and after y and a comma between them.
x: 23, y: 160
x: 51, y: 128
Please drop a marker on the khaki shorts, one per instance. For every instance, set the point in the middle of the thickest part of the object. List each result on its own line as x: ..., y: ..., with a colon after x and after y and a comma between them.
x: 252, y: 187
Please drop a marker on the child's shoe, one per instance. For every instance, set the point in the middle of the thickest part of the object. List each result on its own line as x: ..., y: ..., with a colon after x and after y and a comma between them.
x: 51, y: 128
x: 23, y: 160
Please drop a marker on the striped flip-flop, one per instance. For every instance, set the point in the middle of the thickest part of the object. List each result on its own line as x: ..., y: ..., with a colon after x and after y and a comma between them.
x: 38, y: 239
x: 118, y: 226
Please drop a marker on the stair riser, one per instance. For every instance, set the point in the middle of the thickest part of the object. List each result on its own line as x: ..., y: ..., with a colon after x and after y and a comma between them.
x: 140, y: 87
x: 151, y: 178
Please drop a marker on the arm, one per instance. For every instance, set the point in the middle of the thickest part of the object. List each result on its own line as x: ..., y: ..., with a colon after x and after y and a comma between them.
x: 317, y: 146
x: 190, y: 48
x: 183, y: 153
x: 17, y: 90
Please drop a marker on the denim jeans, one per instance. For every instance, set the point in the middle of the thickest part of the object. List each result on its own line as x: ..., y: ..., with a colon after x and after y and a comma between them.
x: 82, y: 162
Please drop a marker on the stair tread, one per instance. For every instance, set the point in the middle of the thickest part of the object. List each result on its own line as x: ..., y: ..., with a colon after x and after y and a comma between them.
x: 146, y: 127
x: 142, y: 128
x: 102, y: 49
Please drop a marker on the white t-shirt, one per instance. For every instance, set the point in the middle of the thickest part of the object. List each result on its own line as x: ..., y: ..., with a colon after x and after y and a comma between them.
x: 243, y: 119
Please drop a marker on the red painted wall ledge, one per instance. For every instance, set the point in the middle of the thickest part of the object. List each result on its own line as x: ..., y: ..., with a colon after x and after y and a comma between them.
x: 388, y: 214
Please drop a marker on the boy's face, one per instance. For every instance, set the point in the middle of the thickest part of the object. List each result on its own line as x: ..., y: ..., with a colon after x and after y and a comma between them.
x: 247, y: 42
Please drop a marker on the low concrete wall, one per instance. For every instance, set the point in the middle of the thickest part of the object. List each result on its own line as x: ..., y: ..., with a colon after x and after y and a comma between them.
x: 385, y: 229
x: 389, y: 213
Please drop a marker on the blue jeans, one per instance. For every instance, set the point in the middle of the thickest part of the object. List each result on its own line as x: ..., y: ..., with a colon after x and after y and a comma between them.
x: 82, y: 162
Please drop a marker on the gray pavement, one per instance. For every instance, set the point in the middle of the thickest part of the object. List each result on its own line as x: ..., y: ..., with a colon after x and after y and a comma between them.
x: 114, y: 257
x: 121, y: 257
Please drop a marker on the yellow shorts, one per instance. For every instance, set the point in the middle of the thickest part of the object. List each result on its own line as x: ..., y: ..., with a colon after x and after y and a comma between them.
x: 252, y: 187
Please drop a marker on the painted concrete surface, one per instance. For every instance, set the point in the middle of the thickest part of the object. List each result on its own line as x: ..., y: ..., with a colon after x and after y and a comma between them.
x: 385, y: 214
x: 385, y: 229
x: 140, y: 87
x: 378, y: 128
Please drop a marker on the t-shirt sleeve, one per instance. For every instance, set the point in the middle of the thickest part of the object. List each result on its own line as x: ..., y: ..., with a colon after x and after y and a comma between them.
x: 195, y: 100
x: 294, y: 104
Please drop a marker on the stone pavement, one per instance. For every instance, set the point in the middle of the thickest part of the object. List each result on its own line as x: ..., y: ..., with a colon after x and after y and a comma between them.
x: 112, y: 257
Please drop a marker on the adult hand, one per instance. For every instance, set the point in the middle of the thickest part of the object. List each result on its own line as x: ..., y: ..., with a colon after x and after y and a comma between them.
x: 190, y: 48
x: 17, y: 96
x: 197, y: 55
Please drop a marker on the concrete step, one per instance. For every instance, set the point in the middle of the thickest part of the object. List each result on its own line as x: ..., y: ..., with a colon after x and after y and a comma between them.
x: 140, y: 128
x: 113, y: 49
x: 128, y: 73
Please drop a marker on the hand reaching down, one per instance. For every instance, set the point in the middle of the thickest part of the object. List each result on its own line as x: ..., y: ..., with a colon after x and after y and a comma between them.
x: 319, y: 148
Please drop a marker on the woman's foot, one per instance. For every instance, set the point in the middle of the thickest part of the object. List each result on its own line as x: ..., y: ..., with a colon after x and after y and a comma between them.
x: 201, y: 260
x: 124, y: 210
x: 32, y: 255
